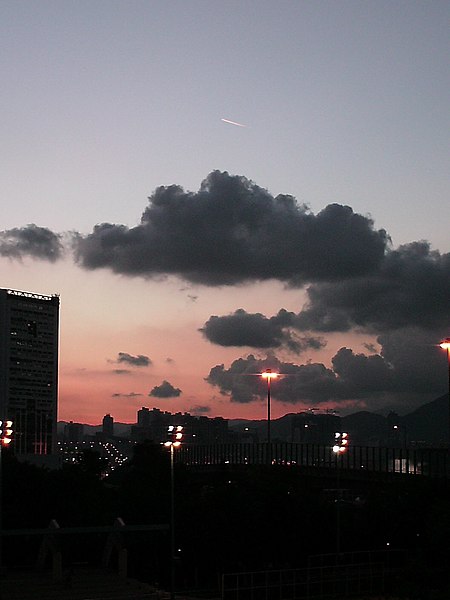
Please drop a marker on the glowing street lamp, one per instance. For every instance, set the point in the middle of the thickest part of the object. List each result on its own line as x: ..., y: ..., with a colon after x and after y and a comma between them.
x: 340, y: 443
x: 175, y: 436
x: 6, y: 432
x: 340, y: 447
x: 445, y: 345
x: 268, y: 375
x: 174, y: 441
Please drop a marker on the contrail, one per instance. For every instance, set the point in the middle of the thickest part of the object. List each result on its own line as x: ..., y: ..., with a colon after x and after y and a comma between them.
x: 233, y: 123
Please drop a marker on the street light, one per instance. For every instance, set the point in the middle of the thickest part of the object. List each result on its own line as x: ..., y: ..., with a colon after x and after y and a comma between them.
x: 268, y: 375
x: 174, y: 441
x: 6, y: 432
x: 340, y: 447
x: 340, y: 442
x: 445, y: 345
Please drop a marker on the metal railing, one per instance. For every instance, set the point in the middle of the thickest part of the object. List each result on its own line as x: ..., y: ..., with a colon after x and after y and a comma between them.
x: 429, y: 462
x: 327, y: 577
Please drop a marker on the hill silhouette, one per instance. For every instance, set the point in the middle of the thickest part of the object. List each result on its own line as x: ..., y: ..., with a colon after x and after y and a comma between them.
x: 426, y: 425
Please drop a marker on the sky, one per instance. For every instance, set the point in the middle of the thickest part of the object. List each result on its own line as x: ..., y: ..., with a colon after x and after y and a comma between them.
x: 191, y: 253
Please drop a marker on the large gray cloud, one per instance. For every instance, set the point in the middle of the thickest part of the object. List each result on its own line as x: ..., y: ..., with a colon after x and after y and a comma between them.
x: 165, y: 390
x: 31, y: 241
x: 232, y: 231
x: 409, y: 369
x: 257, y: 331
x: 411, y: 287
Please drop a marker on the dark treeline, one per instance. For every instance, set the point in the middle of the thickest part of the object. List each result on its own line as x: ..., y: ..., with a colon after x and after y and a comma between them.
x: 227, y: 520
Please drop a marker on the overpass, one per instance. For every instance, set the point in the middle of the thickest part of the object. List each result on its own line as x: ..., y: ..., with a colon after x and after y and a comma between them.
x: 362, y: 460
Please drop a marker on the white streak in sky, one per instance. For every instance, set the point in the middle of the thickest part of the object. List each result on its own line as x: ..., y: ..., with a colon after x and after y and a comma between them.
x: 233, y: 123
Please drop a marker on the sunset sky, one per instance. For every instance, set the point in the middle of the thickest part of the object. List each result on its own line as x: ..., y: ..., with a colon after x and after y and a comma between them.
x: 191, y: 253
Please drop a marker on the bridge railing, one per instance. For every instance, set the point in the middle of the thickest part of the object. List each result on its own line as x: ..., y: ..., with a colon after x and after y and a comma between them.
x: 429, y: 462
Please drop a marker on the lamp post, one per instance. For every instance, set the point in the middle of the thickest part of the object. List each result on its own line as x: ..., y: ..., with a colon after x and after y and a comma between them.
x: 340, y: 447
x: 268, y: 375
x: 175, y: 436
x: 445, y: 345
x: 6, y: 432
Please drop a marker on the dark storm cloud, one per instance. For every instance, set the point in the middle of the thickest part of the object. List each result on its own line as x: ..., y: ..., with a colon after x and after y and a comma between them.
x: 232, y: 231
x: 410, y: 292
x: 408, y: 370
x: 31, y: 241
x: 136, y: 361
x: 165, y: 390
x: 242, y: 381
x: 410, y: 288
x: 257, y: 331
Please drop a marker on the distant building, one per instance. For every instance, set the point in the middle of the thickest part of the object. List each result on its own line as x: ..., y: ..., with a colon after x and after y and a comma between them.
x: 108, y: 426
x: 152, y: 425
x: 143, y: 417
x: 73, y: 432
x: 29, y: 332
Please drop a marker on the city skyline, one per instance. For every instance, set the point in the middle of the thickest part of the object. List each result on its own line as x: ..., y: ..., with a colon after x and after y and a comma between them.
x: 190, y: 252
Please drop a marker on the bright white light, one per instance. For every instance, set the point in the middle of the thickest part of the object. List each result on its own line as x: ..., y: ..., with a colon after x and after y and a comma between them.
x: 445, y: 344
x: 269, y: 375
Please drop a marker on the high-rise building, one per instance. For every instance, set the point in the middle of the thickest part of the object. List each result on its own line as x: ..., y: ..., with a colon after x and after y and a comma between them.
x: 108, y: 426
x: 29, y: 335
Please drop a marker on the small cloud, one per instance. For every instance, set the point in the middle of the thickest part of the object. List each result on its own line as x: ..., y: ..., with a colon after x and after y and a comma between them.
x: 121, y: 371
x: 192, y: 298
x: 165, y: 390
x: 134, y: 361
x: 200, y: 410
x: 130, y: 395
x: 170, y: 361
